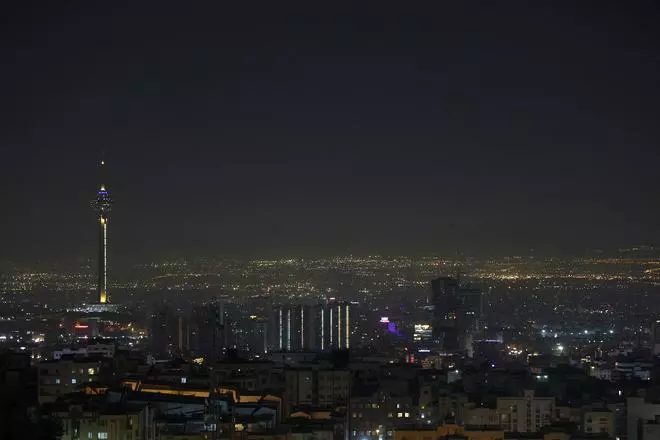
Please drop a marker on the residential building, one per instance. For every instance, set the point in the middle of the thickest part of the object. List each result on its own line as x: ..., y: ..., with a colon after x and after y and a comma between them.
x: 527, y: 413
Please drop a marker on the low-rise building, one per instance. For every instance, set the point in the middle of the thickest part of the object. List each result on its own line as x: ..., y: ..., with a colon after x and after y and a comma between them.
x: 59, y: 377
x: 527, y: 413
x: 598, y: 421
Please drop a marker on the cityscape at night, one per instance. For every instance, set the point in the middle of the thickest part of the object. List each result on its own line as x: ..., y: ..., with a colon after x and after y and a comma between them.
x: 330, y: 222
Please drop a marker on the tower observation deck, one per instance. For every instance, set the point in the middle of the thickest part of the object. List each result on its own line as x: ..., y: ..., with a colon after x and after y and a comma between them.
x: 102, y: 205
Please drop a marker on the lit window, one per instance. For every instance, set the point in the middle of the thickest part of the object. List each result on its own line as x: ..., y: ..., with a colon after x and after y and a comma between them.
x: 74, y: 381
x: 90, y: 434
x: 57, y: 380
x: 398, y: 405
x: 407, y: 415
x: 103, y: 435
x: 90, y: 371
x: 184, y: 380
x: 399, y: 415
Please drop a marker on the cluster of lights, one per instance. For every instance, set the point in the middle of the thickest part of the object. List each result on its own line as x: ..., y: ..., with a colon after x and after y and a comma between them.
x: 513, y: 350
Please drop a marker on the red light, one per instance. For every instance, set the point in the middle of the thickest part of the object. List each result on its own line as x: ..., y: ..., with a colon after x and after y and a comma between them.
x: 80, y: 326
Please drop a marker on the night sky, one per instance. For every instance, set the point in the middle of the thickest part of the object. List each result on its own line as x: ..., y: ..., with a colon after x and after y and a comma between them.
x: 321, y: 128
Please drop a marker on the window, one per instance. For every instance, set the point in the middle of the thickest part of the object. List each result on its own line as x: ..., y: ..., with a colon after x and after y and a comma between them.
x: 103, y: 435
x: 90, y: 434
x: 399, y: 415
x: 184, y: 380
x: 407, y: 415
x: 91, y: 371
x: 57, y: 380
x: 74, y: 381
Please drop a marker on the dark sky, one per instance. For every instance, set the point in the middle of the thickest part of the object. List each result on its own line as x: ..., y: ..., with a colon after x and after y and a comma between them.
x: 322, y: 128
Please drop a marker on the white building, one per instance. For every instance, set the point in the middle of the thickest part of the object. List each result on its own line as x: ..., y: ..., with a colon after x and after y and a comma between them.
x: 598, y: 421
x: 641, y: 413
x: 525, y: 414
x: 92, y: 350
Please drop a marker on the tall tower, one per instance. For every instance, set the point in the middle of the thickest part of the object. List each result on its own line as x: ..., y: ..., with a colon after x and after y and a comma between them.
x: 102, y: 205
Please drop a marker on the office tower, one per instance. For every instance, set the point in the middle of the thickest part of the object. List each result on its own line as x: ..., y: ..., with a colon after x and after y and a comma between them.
x: 211, y: 331
x: 160, y: 338
x: 298, y: 328
x: 339, y: 325
x: 289, y: 328
x: 312, y: 330
x: 445, y: 303
x: 277, y: 332
x: 458, y: 314
x: 170, y: 331
x: 307, y: 327
x: 261, y: 337
x: 298, y: 318
x: 102, y: 205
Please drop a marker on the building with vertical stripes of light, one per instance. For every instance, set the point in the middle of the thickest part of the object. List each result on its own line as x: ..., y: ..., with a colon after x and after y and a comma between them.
x: 319, y: 327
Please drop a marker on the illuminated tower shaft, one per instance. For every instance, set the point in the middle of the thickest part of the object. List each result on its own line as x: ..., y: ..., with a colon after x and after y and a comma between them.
x: 102, y: 205
x: 103, y: 260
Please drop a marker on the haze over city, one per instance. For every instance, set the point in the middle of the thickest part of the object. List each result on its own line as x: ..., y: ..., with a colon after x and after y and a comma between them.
x: 238, y: 131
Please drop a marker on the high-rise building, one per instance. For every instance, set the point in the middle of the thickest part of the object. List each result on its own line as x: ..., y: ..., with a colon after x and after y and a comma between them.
x: 102, y: 205
x: 169, y: 331
x: 445, y: 303
x: 211, y: 335
x: 310, y: 327
x: 458, y: 314
x: 340, y: 325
